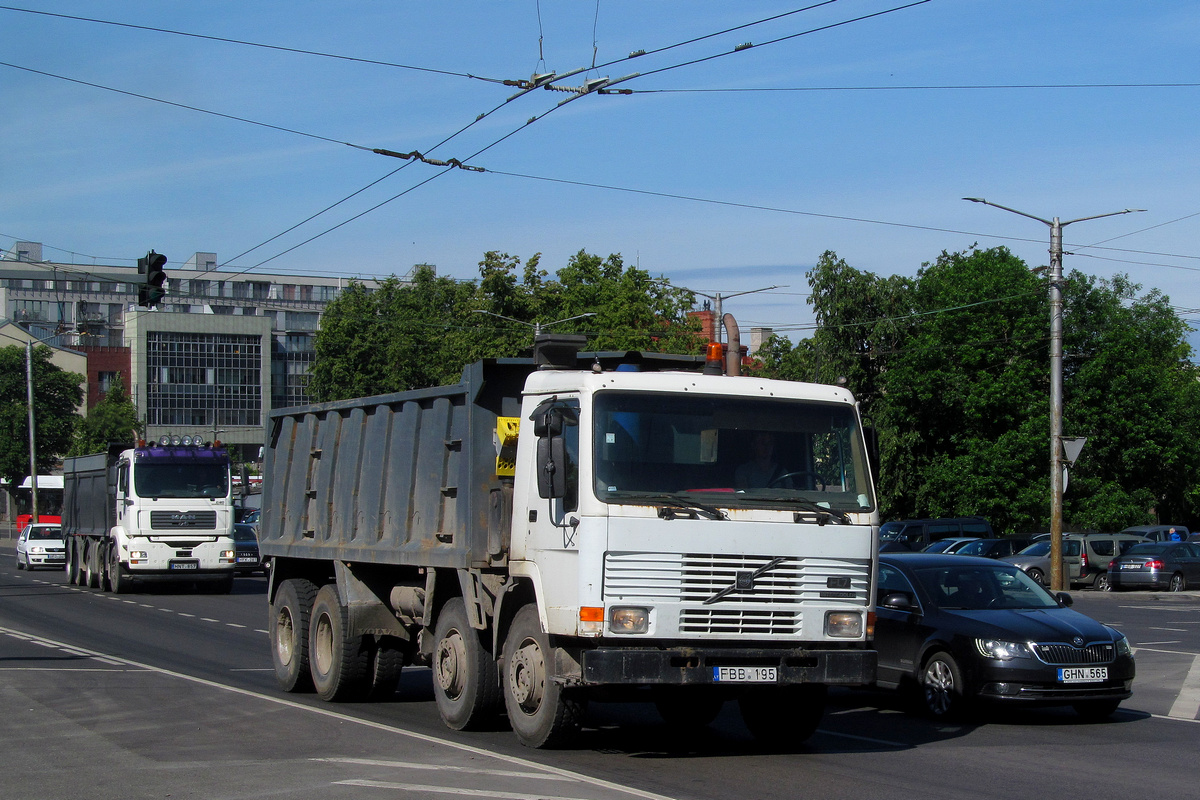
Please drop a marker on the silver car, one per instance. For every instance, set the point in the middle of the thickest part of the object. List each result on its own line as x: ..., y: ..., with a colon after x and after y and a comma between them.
x: 1156, y: 565
x: 41, y: 545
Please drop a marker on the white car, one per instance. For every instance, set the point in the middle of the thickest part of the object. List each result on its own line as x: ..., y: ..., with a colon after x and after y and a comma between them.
x: 41, y: 545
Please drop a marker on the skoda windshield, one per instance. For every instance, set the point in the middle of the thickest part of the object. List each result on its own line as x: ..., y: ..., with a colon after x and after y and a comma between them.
x: 729, y: 451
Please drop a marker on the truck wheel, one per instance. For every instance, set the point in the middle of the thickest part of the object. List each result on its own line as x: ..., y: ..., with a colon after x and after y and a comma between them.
x: 74, y: 571
x: 338, y: 661
x: 120, y: 583
x: 541, y: 711
x: 288, y: 627
x: 102, y: 563
x: 387, y: 663
x: 464, y: 672
x: 91, y: 566
x: 785, y: 716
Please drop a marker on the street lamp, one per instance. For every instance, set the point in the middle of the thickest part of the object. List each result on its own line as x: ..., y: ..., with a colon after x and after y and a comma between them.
x: 1056, y: 397
x: 537, y: 326
x: 718, y: 296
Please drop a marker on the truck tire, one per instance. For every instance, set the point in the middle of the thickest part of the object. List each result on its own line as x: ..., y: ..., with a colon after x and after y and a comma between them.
x: 74, y: 569
x: 785, y: 716
x: 91, y: 566
x: 387, y: 664
x: 541, y: 711
x: 464, y: 672
x: 338, y: 661
x: 117, y: 579
x: 288, y: 627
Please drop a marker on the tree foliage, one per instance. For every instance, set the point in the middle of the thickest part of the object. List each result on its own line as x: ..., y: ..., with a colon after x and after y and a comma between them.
x: 113, y: 420
x: 408, y: 336
x: 56, y: 396
x: 953, y: 369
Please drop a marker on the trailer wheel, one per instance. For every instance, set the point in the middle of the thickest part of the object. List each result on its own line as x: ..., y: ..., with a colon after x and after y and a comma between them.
x: 338, y: 661
x: 288, y: 626
x: 542, y: 712
x: 783, y: 717
x: 464, y: 672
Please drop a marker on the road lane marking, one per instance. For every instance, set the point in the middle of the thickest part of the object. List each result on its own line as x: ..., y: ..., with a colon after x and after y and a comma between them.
x: 500, y: 773
x: 1187, y: 702
x: 416, y: 787
x: 366, y: 723
x: 1173, y: 630
x: 1168, y: 641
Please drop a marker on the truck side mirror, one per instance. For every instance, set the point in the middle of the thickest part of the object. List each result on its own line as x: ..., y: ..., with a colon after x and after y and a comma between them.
x: 551, y: 467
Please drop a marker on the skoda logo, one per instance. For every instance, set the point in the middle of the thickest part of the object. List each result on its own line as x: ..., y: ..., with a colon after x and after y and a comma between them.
x: 1077, y: 641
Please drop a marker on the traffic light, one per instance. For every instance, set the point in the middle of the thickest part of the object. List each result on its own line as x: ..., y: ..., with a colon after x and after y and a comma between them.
x: 154, y: 289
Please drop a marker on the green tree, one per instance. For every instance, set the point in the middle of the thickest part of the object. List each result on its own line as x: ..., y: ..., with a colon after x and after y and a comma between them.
x: 56, y: 396
x: 113, y: 420
x: 407, y: 336
x: 952, y: 367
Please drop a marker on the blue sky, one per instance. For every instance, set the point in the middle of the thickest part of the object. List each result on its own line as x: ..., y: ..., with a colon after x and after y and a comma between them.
x: 830, y: 160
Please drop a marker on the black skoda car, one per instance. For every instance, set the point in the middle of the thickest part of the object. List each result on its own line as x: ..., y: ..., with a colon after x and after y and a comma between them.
x: 960, y: 629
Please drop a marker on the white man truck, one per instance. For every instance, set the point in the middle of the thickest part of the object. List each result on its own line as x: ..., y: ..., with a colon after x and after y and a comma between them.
x: 152, y: 513
x: 567, y: 529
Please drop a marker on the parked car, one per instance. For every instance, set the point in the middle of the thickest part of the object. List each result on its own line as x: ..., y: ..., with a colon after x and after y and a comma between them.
x: 1085, y: 557
x: 1156, y: 565
x: 993, y: 548
x: 246, y: 544
x: 917, y: 534
x: 951, y: 545
x: 41, y: 545
x: 1160, y: 533
x: 960, y: 629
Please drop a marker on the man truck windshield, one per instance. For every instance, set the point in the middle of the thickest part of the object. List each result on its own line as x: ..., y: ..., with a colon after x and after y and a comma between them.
x: 737, y: 451
x: 181, y: 480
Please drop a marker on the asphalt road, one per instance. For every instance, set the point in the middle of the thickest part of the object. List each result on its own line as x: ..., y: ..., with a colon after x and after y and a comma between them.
x: 171, y: 695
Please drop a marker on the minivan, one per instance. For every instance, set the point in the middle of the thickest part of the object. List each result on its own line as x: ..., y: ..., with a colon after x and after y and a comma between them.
x: 917, y: 534
x: 1085, y: 557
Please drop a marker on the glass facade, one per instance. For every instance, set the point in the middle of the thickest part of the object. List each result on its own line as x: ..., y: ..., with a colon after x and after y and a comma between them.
x: 293, y: 355
x: 199, y: 379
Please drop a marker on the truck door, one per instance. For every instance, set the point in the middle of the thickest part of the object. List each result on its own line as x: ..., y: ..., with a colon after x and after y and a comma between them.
x: 123, y: 499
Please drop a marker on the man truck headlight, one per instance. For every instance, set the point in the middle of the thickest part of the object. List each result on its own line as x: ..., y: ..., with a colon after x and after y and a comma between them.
x: 844, y: 624
x: 629, y: 619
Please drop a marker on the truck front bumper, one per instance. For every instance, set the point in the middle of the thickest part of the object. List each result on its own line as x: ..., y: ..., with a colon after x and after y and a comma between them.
x: 697, y: 666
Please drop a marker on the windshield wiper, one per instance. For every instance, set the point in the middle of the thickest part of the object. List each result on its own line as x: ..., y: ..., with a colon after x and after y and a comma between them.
x: 823, y: 513
x: 673, y: 506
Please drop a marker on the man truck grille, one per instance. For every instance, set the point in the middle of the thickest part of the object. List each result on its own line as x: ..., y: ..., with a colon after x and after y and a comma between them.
x: 183, y: 520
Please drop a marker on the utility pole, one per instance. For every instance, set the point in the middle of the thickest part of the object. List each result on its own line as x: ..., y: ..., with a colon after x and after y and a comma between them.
x: 33, y: 477
x: 717, y: 297
x: 1056, y: 395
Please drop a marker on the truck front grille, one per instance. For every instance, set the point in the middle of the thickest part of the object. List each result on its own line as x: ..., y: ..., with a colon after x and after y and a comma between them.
x: 747, y: 595
x: 183, y: 520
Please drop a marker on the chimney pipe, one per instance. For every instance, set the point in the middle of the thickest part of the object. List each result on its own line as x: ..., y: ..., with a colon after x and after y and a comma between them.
x: 733, y: 352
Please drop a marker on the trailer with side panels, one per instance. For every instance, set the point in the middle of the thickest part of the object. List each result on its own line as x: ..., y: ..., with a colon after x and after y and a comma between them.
x: 576, y: 528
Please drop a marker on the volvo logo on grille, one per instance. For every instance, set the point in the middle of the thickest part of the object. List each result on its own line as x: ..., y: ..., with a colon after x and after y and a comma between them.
x: 743, y: 580
x: 1077, y: 641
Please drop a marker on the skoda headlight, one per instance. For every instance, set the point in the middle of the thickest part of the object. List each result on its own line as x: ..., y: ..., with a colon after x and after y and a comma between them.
x: 1123, y: 648
x: 1001, y: 650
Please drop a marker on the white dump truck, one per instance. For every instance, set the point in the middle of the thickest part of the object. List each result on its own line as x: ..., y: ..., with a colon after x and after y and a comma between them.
x: 156, y: 512
x: 574, y: 528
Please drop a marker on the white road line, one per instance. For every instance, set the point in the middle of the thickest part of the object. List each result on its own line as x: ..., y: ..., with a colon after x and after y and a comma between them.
x: 1187, y: 703
x: 500, y: 773
x: 182, y: 614
x: 1173, y: 630
x: 416, y: 787
x: 207, y: 619
x: 234, y: 625
x: 380, y: 726
x: 1169, y: 641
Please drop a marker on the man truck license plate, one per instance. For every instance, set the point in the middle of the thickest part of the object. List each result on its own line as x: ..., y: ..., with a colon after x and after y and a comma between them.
x: 746, y: 674
x: 1082, y: 674
x: 175, y: 564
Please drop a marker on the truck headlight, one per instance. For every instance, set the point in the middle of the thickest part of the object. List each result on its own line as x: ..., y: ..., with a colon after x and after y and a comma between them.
x: 139, y: 555
x: 629, y: 619
x: 844, y: 624
x: 228, y: 554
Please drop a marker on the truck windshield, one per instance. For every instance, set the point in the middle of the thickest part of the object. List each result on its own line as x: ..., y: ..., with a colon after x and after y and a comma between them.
x: 725, y: 451
x: 181, y: 480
